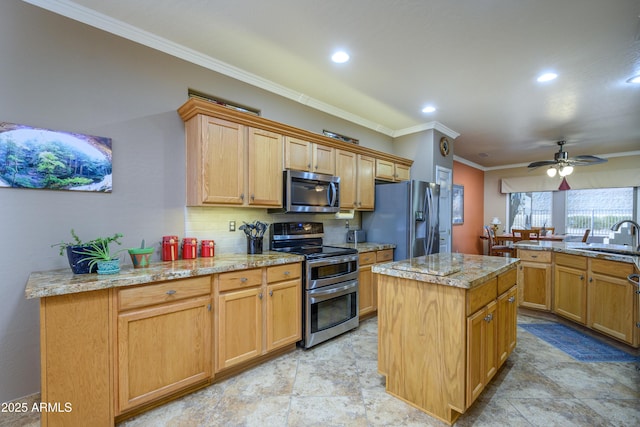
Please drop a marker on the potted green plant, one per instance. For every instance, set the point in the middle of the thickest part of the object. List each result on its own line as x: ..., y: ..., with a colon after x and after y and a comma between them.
x: 84, y: 256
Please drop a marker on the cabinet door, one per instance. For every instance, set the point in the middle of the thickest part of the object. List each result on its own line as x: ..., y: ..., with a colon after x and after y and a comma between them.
x: 482, y: 360
x: 507, y: 324
x: 570, y: 293
x: 366, y: 182
x: 611, y: 306
x: 365, y: 290
x: 297, y: 154
x: 346, y: 169
x: 284, y: 314
x: 385, y: 170
x: 534, y: 281
x: 265, y: 168
x: 223, y: 162
x: 163, y: 349
x: 402, y: 172
x: 239, y: 326
x: 324, y: 159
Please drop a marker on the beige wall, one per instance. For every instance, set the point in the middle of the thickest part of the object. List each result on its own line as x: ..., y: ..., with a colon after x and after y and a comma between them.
x: 496, y: 203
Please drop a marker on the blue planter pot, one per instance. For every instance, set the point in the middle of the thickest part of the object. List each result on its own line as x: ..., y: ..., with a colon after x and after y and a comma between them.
x: 108, y: 267
x: 77, y: 260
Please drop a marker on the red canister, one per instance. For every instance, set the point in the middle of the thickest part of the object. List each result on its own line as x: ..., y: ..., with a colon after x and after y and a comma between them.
x: 169, y: 248
x: 189, y: 248
x: 207, y: 248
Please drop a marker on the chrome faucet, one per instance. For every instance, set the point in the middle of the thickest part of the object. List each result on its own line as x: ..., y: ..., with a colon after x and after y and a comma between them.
x: 617, y: 225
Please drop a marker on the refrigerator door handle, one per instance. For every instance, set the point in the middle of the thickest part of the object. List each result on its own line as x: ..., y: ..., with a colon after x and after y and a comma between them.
x: 427, y: 208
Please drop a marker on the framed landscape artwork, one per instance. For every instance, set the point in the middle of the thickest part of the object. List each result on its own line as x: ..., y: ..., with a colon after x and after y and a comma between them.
x: 54, y: 160
x: 458, y: 204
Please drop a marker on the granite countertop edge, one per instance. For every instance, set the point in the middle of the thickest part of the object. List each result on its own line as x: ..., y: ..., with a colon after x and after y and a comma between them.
x: 577, y: 248
x: 474, y: 270
x: 62, y: 282
x: 364, y: 246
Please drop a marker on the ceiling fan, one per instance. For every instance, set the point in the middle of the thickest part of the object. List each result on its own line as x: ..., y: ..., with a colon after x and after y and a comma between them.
x: 563, y: 164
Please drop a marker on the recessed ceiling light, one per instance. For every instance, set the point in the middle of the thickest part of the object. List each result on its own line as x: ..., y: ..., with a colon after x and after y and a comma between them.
x: 634, y: 79
x: 340, y: 57
x: 429, y: 109
x: 546, y: 77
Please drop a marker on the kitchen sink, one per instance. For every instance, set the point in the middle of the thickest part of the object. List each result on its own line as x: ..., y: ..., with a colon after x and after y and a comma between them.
x: 610, y: 249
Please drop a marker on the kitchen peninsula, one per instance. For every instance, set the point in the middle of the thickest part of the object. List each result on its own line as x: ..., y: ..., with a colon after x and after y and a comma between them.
x: 446, y: 323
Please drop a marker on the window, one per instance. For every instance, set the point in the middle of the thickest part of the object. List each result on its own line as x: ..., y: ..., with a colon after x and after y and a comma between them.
x: 528, y: 210
x: 597, y: 209
x: 572, y: 211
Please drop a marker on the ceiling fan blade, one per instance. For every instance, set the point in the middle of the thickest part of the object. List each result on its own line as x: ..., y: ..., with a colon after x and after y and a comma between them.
x: 588, y: 160
x: 542, y: 163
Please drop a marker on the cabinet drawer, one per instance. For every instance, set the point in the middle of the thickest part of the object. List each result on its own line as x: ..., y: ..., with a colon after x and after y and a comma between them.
x: 384, y: 255
x: 574, y: 261
x: 366, y: 258
x: 611, y: 268
x: 535, y: 256
x: 239, y: 279
x: 278, y: 273
x: 174, y: 290
x: 481, y: 295
x: 506, y: 280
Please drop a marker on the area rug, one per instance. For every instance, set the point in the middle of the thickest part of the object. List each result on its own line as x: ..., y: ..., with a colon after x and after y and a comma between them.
x: 579, y: 346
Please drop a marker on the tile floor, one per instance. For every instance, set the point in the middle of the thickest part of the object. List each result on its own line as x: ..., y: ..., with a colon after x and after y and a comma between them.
x: 337, y: 384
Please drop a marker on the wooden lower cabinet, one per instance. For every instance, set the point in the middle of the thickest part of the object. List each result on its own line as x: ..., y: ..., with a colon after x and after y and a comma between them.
x: 612, y: 303
x: 367, y: 286
x: 163, y: 349
x: 258, y: 310
x: 439, y: 346
x: 534, y: 279
x: 570, y: 287
x: 75, y: 347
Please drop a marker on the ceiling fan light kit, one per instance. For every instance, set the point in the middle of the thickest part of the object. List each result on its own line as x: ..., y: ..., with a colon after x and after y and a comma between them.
x: 563, y: 165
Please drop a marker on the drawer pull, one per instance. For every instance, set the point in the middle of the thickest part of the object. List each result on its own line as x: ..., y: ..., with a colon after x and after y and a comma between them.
x: 243, y: 279
x: 511, y: 299
x: 171, y: 292
x: 534, y: 256
x: 286, y: 273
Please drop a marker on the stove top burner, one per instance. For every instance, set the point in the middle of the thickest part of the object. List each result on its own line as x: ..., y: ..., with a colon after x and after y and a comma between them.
x: 318, y: 251
x: 304, y: 239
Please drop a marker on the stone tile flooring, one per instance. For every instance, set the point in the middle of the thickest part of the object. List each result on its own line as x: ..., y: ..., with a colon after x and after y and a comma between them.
x: 337, y: 384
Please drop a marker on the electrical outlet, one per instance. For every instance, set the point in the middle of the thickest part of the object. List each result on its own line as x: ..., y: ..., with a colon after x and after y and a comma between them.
x: 232, y: 226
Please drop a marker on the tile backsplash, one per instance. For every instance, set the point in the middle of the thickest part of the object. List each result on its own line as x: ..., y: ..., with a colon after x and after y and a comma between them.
x: 213, y: 223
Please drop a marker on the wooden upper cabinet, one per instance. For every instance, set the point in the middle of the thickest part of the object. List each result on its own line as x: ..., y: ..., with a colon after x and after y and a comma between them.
x: 265, y: 168
x: 309, y: 157
x: 215, y: 162
x: 232, y: 164
x: 366, y: 182
x: 389, y: 171
x: 346, y: 169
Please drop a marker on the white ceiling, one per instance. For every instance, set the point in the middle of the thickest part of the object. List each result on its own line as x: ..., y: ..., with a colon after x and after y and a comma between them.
x: 477, y: 61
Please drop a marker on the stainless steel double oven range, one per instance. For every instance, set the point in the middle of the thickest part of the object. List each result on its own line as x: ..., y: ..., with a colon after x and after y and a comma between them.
x: 330, y: 296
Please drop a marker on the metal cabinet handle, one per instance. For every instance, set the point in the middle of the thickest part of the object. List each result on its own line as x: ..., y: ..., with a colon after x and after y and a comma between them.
x: 488, y: 317
x: 511, y: 299
x: 308, y: 165
x: 171, y: 292
x: 242, y: 196
x: 260, y: 295
x: 286, y: 273
x: 534, y: 256
x: 582, y: 277
x: 243, y: 279
x: 270, y: 293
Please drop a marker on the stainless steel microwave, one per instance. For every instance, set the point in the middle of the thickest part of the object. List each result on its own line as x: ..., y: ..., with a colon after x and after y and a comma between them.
x: 311, y: 192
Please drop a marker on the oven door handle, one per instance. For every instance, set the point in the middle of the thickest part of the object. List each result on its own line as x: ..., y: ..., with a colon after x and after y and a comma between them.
x: 332, y: 260
x: 331, y: 195
x: 321, y: 294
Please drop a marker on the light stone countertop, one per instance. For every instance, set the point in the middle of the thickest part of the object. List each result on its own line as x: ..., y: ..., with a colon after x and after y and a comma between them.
x: 63, y: 281
x: 581, y: 249
x: 458, y: 270
x: 364, y: 246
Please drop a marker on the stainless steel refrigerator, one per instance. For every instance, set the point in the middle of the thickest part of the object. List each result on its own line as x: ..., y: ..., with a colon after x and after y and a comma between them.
x: 406, y: 214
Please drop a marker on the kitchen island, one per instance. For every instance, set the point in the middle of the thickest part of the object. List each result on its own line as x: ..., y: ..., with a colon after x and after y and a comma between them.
x: 446, y: 323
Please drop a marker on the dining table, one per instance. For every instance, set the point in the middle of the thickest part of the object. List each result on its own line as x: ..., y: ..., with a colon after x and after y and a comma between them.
x: 509, y: 237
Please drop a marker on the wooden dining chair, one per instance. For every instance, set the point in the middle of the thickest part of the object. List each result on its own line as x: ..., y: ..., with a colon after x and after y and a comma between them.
x: 522, y: 234
x: 585, y: 236
x: 498, y: 249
